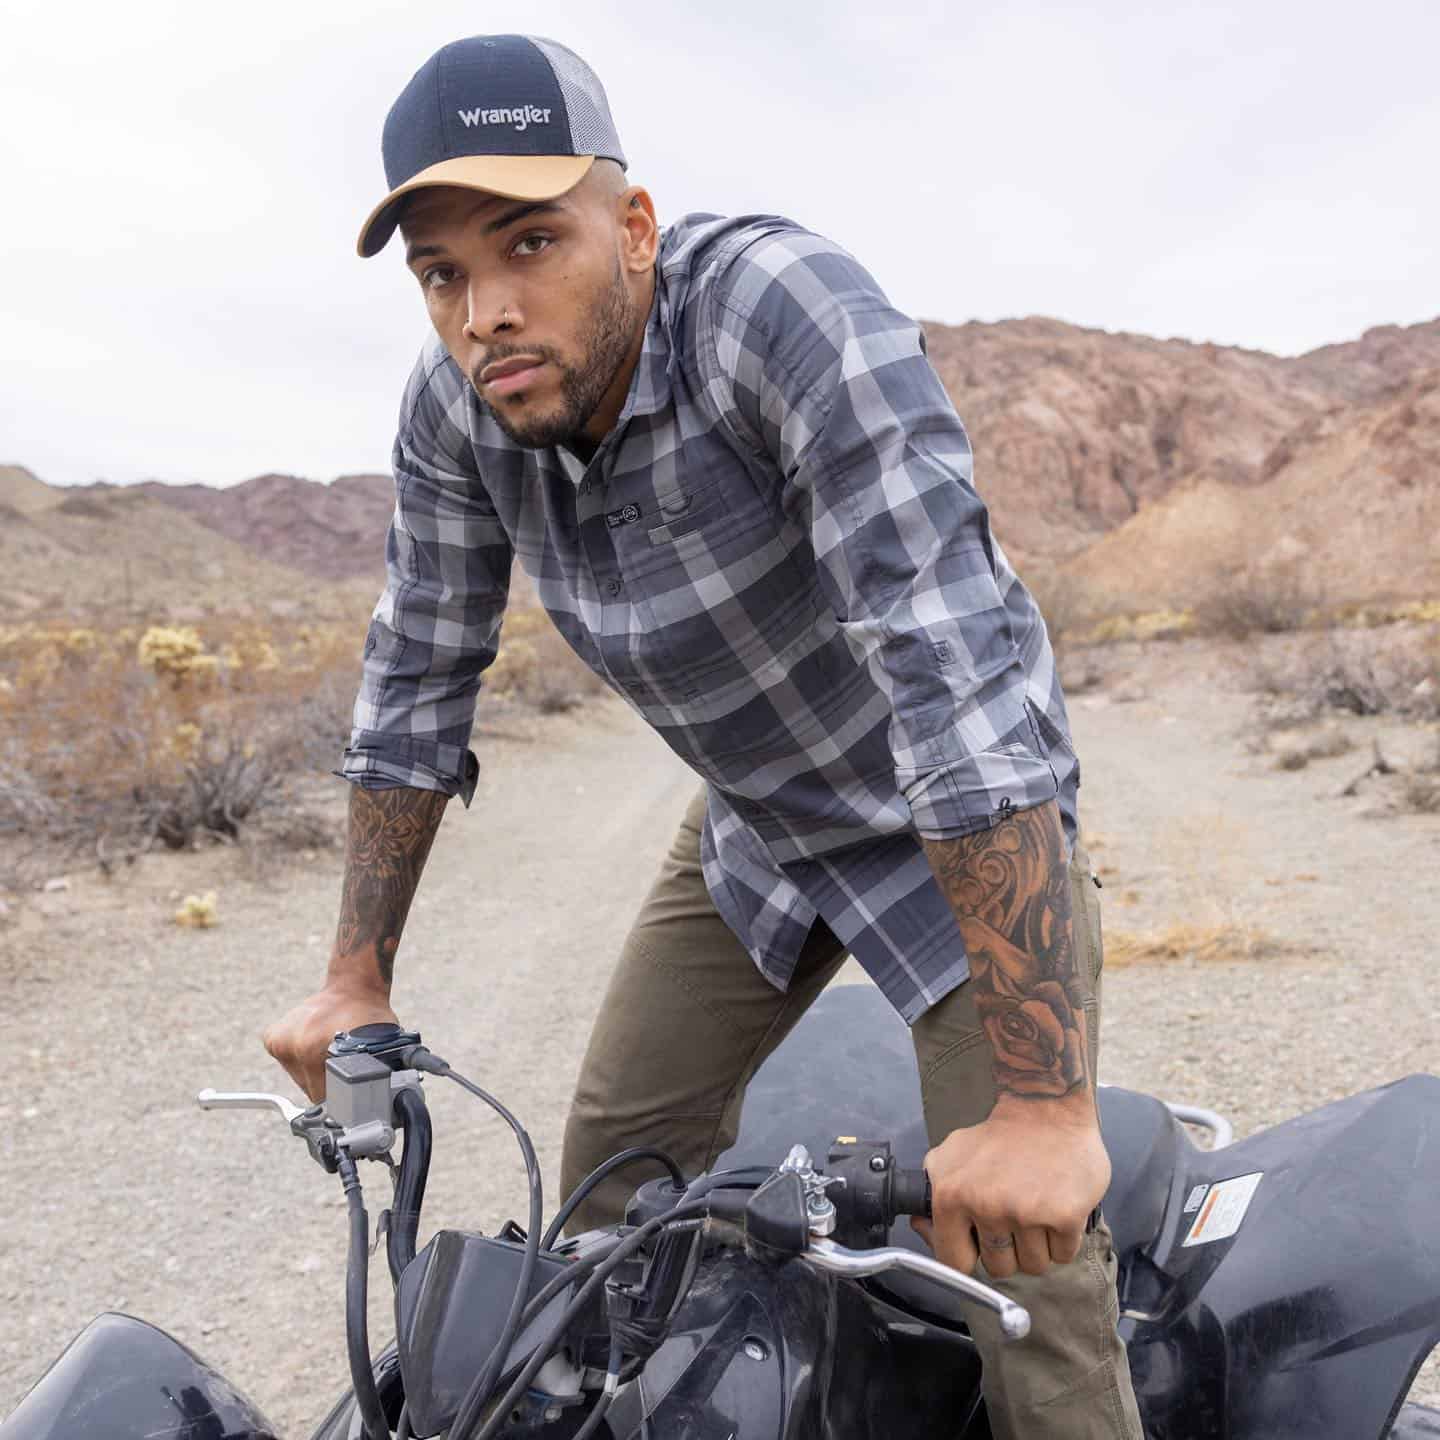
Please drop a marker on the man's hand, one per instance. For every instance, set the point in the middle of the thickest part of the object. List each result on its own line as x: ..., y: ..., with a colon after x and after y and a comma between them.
x: 300, y: 1039
x: 1022, y: 1183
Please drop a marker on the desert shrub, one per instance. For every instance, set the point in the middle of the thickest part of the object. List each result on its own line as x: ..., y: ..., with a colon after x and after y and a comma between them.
x: 1247, y: 600
x: 536, y: 668
x: 1421, y: 789
x: 161, y: 733
x: 219, y: 789
x: 1069, y: 605
x: 1352, y: 672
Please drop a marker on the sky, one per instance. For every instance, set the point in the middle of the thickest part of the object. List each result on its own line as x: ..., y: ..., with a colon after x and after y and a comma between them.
x: 180, y: 298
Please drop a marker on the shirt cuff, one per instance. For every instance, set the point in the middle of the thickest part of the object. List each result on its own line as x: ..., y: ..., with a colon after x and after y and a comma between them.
x: 420, y: 764
x: 978, y: 791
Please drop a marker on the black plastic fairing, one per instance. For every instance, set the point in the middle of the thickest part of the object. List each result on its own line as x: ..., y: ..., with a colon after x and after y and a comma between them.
x: 450, y: 1309
x: 125, y: 1380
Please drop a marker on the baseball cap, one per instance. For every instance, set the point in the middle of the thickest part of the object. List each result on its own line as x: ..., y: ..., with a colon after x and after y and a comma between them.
x: 515, y: 115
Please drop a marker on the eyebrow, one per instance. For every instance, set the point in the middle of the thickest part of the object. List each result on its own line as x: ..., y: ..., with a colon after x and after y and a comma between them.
x: 506, y: 218
x: 520, y: 212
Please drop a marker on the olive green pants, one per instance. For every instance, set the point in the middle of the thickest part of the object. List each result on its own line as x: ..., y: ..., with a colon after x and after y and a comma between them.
x: 688, y: 1019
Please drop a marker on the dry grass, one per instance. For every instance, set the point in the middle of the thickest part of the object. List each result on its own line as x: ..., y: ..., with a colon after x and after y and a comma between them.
x: 1296, y: 751
x: 1192, y: 944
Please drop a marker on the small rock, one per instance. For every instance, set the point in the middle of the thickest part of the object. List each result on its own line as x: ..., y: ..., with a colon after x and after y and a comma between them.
x: 56, y: 882
x: 29, y: 1113
x: 307, y: 1265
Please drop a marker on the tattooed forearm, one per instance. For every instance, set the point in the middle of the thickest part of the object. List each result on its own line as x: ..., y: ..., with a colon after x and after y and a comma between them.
x: 389, y: 836
x: 1010, y: 889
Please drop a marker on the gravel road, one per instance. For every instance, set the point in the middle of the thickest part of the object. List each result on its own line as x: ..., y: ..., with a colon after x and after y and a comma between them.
x: 219, y: 1228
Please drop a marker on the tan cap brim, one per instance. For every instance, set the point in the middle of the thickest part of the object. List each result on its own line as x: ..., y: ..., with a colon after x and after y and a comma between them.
x: 516, y: 177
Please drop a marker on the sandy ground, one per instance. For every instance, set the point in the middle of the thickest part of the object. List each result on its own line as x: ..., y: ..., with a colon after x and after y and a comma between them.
x: 219, y: 1228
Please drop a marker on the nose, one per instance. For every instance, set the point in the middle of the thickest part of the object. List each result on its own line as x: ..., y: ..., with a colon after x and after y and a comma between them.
x: 489, y: 315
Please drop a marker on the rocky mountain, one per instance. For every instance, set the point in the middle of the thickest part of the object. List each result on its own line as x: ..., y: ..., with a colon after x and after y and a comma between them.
x: 1133, y: 461
x: 1350, y: 502
x: 1075, y: 431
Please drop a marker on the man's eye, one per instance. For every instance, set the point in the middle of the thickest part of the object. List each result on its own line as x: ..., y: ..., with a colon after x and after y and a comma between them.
x: 437, y: 277
x: 532, y: 245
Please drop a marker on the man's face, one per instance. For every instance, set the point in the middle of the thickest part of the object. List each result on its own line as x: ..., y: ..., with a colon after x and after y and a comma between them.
x: 537, y: 301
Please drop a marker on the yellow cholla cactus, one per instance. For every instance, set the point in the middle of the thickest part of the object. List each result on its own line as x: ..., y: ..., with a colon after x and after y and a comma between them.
x: 198, y: 912
x: 178, y: 653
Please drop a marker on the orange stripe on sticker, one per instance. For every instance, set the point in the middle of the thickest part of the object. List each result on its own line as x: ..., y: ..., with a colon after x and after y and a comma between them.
x: 1204, y: 1214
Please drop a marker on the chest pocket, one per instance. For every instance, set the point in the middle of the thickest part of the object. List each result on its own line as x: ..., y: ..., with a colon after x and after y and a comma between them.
x: 683, y: 510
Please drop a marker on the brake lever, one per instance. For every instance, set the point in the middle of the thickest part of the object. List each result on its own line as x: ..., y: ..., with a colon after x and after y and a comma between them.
x: 855, y: 1264
x: 209, y: 1099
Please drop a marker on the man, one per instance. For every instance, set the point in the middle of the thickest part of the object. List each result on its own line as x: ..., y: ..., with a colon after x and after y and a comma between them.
x: 745, y: 500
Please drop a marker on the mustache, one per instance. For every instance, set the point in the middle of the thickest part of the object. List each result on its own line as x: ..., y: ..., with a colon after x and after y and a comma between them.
x: 507, y: 352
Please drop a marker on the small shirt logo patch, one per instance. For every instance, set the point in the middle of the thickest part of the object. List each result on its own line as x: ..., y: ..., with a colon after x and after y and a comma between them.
x: 625, y: 515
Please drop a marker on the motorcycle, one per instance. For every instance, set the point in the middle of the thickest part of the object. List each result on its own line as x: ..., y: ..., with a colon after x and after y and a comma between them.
x: 1284, y: 1286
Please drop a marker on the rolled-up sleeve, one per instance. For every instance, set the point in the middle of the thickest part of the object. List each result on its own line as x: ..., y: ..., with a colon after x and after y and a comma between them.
x: 833, y: 384
x: 436, y: 625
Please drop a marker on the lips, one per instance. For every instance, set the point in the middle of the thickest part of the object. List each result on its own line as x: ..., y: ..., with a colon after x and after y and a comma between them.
x: 513, y: 373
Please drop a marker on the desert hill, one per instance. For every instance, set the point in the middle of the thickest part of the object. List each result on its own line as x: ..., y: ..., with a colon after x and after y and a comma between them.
x: 23, y: 494
x: 1131, y: 461
x: 1351, y: 501
x: 334, y: 531
x: 119, y: 550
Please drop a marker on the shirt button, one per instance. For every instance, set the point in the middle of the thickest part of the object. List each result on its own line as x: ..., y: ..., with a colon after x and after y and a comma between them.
x: 613, y: 587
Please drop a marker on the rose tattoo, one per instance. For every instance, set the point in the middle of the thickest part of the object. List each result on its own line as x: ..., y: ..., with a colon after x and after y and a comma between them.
x: 1010, y: 889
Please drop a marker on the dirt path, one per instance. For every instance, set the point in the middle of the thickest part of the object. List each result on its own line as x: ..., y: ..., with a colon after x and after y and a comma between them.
x: 220, y: 1229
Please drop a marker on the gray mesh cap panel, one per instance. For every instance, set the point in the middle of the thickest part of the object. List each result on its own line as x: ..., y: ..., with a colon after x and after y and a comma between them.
x: 591, y: 128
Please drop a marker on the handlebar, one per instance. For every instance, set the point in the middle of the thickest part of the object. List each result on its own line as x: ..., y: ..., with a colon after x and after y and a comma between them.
x: 836, y: 1220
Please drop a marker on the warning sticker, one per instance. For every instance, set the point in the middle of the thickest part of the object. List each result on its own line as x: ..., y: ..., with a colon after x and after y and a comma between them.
x: 1193, y: 1199
x: 1223, y: 1209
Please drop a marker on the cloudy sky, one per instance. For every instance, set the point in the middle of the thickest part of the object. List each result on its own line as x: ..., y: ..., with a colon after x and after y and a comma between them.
x: 179, y: 293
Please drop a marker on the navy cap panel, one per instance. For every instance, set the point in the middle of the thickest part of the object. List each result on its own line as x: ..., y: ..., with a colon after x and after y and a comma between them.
x: 499, y: 96
x: 411, y: 139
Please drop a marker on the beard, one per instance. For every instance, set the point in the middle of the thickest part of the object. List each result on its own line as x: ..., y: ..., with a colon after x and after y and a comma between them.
x: 607, y: 330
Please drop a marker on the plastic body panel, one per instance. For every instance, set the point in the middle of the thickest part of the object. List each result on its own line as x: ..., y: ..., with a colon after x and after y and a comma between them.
x: 1310, y: 1321
x: 450, y: 1311
x: 125, y: 1380
x: 762, y: 1352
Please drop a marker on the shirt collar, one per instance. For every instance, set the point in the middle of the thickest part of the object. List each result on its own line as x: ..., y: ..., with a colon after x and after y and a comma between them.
x: 650, y: 384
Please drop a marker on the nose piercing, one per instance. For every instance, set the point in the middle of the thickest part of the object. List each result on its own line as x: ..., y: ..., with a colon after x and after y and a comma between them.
x: 505, y: 316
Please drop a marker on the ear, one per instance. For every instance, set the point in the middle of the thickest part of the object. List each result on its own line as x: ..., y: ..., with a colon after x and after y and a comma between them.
x: 641, y: 239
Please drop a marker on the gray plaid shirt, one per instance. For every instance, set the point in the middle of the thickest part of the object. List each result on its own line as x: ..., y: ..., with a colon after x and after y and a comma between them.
x: 778, y: 559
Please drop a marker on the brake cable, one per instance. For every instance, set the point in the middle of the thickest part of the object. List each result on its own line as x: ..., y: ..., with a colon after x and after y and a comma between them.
x: 422, y: 1059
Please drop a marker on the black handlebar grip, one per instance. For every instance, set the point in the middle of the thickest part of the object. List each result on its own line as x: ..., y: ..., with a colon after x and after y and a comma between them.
x: 911, y: 1192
